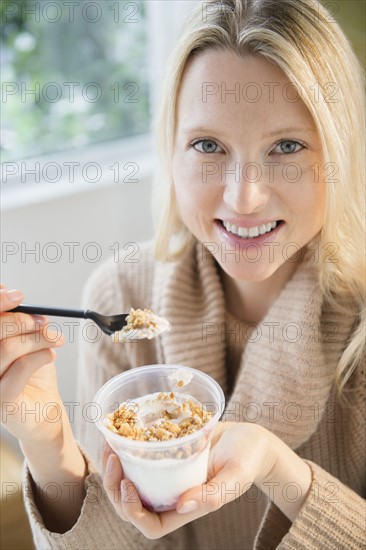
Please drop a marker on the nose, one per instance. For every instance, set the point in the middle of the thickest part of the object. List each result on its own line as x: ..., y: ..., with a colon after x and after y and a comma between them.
x: 245, y: 191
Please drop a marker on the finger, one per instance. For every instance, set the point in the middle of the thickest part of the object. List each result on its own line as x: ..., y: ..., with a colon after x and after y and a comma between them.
x: 20, y: 346
x: 220, y: 427
x: 228, y: 484
x: 9, y: 299
x: 147, y: 522
x: 13, y: 324
x: 152, y: 525
x: 112, y: 483
x: 17, y: 376
x: 105, y: 454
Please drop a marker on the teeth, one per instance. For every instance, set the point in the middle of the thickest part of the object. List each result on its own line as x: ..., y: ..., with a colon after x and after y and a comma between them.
x: 253, y: 231
x: 262, y: 229
x: 243, y: 232
x: 250, y: 232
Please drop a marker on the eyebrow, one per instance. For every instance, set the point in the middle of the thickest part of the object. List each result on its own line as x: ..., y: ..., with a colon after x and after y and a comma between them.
x: 265, y: 135
x: 289, y: 129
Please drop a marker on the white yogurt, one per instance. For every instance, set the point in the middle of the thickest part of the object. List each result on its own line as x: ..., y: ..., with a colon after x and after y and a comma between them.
x: 160, y: 483
x: 181, y: 377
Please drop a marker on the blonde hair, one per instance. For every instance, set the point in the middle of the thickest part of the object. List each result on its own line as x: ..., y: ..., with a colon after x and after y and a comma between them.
x: 301, y: 37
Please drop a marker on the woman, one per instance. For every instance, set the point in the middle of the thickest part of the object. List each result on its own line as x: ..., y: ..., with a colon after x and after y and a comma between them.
x: 258, y: 266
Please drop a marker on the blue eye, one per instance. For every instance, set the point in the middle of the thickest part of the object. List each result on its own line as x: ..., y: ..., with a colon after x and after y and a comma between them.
x: 288, y: 146
x: 208, y: 146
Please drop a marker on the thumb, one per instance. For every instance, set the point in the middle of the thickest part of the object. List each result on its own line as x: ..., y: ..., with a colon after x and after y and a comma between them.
x: 9, y: 299
x: 112, y: 477
x: 106, y: 452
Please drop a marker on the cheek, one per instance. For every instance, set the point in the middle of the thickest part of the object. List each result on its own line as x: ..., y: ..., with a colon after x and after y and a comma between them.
x: 305, y: 188
x: 196, y: 207
x: 184, y: 192
x: 192, y: 192
x: 312, y: 201
x: 305, y: 195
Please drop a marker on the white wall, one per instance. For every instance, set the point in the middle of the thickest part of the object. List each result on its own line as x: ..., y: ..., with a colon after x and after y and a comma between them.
x: 116, y: 213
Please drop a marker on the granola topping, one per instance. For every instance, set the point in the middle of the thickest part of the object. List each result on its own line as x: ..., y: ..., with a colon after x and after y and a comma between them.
x: 158, y: 417
x: 141, y: 323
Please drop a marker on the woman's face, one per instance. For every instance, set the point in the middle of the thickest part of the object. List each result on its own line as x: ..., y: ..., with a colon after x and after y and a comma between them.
x: 247, y: 164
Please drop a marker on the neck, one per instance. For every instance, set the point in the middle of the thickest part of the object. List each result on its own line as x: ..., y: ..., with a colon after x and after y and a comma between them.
x: 249, y: 301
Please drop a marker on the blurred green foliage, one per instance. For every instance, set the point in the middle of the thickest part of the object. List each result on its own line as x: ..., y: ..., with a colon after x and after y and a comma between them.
x: 73, y: 73
x: 350, y: 14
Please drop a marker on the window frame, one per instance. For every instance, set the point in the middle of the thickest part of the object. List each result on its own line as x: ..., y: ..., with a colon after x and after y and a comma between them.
x: 164, y: 20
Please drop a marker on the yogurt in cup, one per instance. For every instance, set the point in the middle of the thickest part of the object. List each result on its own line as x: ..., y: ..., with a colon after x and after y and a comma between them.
x: 161, y: 470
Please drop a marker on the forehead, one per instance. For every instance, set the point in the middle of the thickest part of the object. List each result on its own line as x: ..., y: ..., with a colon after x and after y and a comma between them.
x: 228, y: 65
x: 220, y: 83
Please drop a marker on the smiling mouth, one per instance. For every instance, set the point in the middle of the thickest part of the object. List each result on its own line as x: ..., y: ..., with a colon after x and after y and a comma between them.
x: 250, y: 232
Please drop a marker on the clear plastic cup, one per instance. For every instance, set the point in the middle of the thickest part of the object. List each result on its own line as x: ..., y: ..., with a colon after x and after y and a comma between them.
x: 161, y: 470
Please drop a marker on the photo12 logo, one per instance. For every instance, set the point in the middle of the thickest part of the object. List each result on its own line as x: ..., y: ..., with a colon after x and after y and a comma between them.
x: 252, y: 92
x: 71, y: 11
x: 70, y: 92
x: 211, y: 10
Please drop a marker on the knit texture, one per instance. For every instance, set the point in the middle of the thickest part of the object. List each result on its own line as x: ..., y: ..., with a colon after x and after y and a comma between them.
x: 284, y: 381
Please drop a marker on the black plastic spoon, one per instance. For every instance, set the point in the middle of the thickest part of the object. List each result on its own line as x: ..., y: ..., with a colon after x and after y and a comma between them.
x: 108, y: 323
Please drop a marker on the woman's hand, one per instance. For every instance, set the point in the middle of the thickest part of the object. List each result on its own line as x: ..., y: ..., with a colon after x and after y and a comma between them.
x: 32, y: 410
x: 29, y: 396
x: 241, y: 454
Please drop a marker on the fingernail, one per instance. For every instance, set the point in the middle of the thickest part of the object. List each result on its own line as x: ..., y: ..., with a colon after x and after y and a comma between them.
x: 14, y: 295
x: 189, y: 506
x: 110, y: 464
x: 59, y: 342
x: 40, y: 319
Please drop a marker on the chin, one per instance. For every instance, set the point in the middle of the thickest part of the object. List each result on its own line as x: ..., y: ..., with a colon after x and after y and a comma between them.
x: 249, y: 272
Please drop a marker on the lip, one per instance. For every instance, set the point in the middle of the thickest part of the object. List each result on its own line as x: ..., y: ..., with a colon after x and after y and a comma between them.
x: 235, y: 241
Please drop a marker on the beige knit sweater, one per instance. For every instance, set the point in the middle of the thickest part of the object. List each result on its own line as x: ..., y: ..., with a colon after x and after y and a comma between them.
x: 285, y: 381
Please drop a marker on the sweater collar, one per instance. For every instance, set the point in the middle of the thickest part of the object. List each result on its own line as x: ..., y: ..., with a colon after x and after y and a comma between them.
x: 189, y: 294
x: 288, y: 365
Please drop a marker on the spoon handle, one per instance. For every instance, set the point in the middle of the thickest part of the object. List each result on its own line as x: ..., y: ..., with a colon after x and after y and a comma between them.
x: 56, y: 311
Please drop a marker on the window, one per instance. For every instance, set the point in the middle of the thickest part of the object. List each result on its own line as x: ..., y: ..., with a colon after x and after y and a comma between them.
x: 74, y: 73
